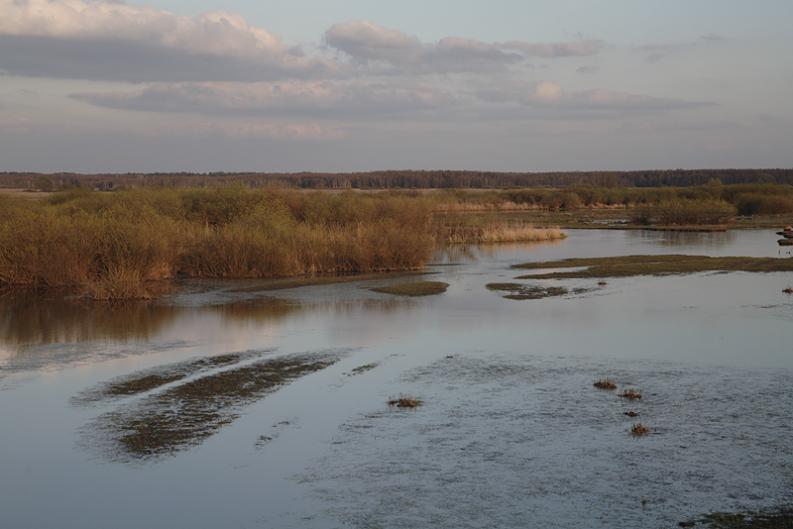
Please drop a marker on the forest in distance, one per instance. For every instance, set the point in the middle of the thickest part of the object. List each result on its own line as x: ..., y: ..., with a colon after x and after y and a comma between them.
x: 401, y: 179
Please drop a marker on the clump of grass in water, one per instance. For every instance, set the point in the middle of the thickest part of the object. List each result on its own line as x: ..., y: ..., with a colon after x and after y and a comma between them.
x: 405, y: 401
x: 631, y: 394
x: 606, y: 384
x: 639, y: 430
x: 499, y: 232
x: 415, y: 289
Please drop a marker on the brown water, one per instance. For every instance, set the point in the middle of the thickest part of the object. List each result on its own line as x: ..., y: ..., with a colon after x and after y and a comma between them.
x: 511, y: 433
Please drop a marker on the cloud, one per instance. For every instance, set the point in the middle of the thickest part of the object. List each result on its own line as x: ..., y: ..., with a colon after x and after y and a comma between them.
x: 587, y: 69
x: 107, y: 40
x: 548, y: 100
x: 378, y: 102
x: 371, y: 44
x: 314, y: 99
x: 657, y: 52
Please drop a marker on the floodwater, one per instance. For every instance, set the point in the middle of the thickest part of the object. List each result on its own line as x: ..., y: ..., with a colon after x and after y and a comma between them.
x: 224, y: 406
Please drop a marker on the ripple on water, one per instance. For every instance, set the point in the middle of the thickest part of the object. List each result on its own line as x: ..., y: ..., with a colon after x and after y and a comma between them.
x: 528, y: 442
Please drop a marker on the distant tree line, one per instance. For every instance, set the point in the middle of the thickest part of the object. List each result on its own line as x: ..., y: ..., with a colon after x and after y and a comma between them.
x: 406, y: 179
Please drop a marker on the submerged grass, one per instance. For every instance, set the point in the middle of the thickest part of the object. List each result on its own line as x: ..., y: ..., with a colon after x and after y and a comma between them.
x: 772, y: 519
x: 654, y: 265
x: 414, y: 289
x: 150, y: 379
x: 363, y: 369
x: 519, y: 291
x: 187, y: 414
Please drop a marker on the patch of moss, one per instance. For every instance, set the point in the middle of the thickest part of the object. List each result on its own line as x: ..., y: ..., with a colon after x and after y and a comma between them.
x: 654, y: 265
x: 415, y: 289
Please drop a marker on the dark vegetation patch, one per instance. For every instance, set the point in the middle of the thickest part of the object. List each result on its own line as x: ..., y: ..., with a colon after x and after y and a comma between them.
x: 185, y: 415
x: 504, y: 287
x: 777, y: 519
x: 150, y: 379
x: 537, y: 293
x: 639, y: 430
x: 415, y: 289
x: 631, y: 394
x: 654, y: 265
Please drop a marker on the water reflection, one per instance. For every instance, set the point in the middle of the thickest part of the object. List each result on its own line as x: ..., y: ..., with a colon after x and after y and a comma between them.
x: 683, y: 239
x: 30, y: 320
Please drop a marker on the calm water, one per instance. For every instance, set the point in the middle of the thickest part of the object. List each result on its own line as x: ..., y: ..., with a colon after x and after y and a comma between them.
x: 511, y: 434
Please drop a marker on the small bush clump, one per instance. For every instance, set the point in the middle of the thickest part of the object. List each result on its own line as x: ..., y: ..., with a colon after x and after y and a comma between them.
x: 605, y: 383
x: 405, y: 401
x: 639, y: 430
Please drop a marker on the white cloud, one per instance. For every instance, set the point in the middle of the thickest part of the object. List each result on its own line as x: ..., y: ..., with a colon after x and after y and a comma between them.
x: 111, y: 40
x: 548, y: 100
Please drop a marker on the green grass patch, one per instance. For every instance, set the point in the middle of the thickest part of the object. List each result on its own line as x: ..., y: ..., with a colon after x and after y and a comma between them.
x: 414, y: 289
x: 653, y: 265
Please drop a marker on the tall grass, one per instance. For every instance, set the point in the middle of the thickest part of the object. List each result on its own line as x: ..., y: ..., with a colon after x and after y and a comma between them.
x: 500, y: 232
x: 112, y: 245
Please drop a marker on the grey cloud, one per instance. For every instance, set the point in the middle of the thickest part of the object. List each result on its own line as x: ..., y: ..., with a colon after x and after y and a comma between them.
x: 369, y: 43
x: 295, y: 99
x: 113, y: 60
x: 547, y: 100
x: 657, y: 52
x: 587, y: 69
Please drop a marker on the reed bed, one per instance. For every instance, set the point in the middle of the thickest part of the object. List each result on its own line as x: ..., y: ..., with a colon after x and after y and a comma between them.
x: 115, y: 245
x: 500, y: 233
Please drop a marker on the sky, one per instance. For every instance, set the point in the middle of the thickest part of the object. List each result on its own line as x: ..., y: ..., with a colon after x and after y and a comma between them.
x: 355, y: 85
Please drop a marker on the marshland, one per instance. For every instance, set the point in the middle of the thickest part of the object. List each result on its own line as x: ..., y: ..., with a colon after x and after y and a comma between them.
x: 284, y: 357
